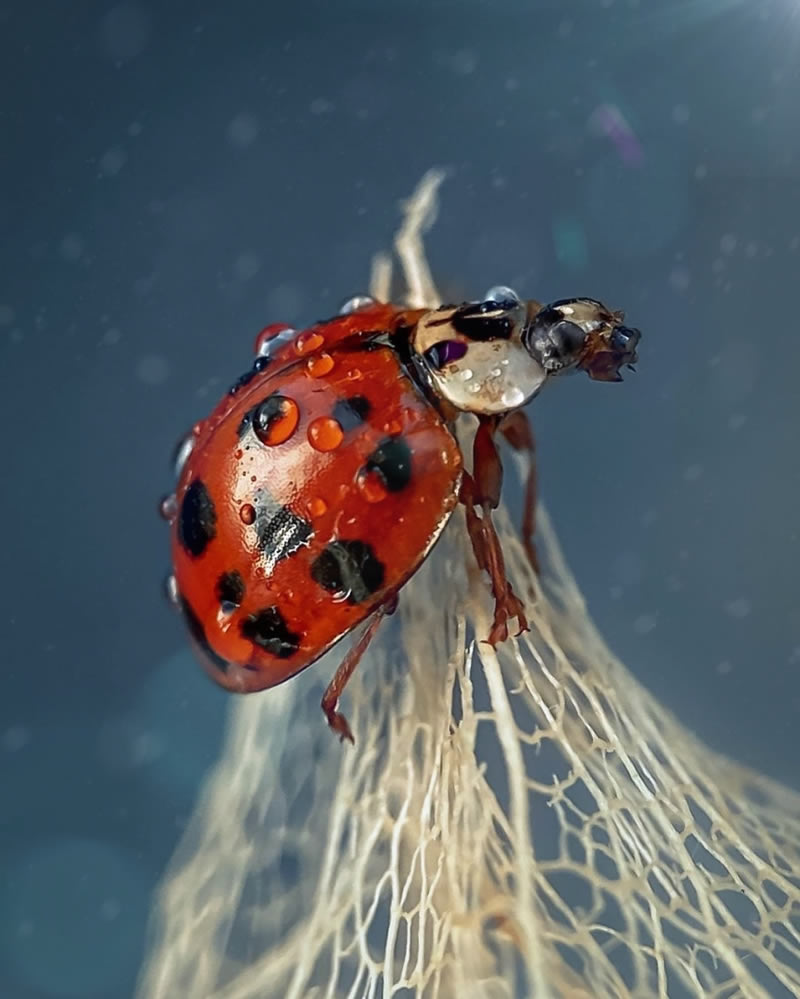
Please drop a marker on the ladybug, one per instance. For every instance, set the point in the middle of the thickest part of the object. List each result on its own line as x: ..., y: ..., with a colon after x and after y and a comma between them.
x: 322, y: 480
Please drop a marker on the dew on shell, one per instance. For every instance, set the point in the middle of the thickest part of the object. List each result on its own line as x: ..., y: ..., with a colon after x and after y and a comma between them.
x: 307, y: 342
x: 168, y: 507
x: 317, y: 507
x: 276, y: 420
x: 247, y: 513
x: 325, y: 434
x: 371, y: 485
x: 320, y: 365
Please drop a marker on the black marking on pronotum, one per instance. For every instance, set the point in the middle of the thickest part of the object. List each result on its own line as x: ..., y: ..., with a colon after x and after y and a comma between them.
x: 198, y: 633
x: 391, y: 459
x: 268, y: 630
x: 230, y: 590
x: 349, y: 569
x: 279, y: 531
x: 197, y: 521
x: 351, y: 412
x: 479, y: 321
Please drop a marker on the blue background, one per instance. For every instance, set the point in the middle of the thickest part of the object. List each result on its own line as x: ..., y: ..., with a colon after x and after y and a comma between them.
x: 175, y: 176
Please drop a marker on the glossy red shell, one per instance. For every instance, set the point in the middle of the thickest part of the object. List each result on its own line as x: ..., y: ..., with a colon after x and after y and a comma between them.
x: 310, y: 496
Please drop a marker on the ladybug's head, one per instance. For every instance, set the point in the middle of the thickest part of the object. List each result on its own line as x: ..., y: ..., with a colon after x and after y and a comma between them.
x: 581, y: 334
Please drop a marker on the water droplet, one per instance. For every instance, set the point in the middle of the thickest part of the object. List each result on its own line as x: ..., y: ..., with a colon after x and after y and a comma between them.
x: 183, y: 449
x: 325, y: 434
x: 276, y: 419
x: 265, y: 339
x: 168, y: 507
x: 354, y: 303
x: 371, y: 485
x: 512, y: 397
x: 316, y: 507
x: 320, y: 365
x: 309, y: 341
x: 247, y: 513
x: 496, y: 372
x: 466, y: 374
x: 501, y: 294
x: 393, y: 428
x: 171, y: 590
x: 354, y: 375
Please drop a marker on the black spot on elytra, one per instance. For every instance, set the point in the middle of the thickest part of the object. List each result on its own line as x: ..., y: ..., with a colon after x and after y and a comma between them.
x: 198, y: 633
x: 349, y: 569
x: 230, y: 589
x: 268, y: 630
x: 351, y: 412
x: 391, y: 459
x: 480, y: 321
x: 197, y: 521
x: 279, y: 531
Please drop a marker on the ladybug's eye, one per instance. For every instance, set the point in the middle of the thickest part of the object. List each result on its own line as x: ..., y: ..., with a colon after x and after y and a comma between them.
x: 554, y: 341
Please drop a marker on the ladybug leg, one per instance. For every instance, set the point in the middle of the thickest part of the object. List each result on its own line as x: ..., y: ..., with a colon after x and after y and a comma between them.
x: 481, y: 492
x: 330, y: 699
x: 516, y: 428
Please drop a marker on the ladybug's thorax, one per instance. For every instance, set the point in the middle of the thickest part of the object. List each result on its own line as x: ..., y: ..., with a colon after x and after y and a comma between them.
x: 475, y: 357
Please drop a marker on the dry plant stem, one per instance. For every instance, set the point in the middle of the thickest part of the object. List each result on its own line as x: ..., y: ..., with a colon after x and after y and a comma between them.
x: 525, y: 821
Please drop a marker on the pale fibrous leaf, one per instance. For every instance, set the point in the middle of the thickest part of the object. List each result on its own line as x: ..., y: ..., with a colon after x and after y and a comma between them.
x: 521, y: 822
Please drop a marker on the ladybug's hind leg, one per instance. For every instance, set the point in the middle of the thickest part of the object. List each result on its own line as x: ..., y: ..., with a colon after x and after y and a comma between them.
x: 330, y: 699
x: 516, y: 428
x: 480, y: 494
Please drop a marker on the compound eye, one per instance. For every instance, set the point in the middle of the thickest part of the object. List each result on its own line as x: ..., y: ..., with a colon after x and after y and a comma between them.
x: 566, y: 341
x: 555, y: 342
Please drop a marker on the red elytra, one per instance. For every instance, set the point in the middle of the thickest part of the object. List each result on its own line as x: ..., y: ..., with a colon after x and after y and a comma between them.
x: 320, y: 483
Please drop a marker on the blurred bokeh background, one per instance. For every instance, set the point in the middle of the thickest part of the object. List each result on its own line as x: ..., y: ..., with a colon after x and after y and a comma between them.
x: 173, y: 176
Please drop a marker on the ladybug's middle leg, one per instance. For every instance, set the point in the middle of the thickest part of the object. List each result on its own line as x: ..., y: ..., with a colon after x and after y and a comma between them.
x: 330, y: 699
x: 481, y: 492
x: 516, y: 428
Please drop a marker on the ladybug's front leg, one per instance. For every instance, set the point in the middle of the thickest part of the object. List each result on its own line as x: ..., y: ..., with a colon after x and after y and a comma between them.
x: 516, y: 428
x: 481, y: 491
x: 330, y: 699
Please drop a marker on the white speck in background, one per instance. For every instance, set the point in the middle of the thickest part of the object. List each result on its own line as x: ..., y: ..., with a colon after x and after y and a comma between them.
x: 112, y: 161
x: 246, y: 266
x: 644, y: 624
x: 739, y: 608
x: 15, y: 738
x: 152, y: 369
x: 679, y: 278
x: 71, y: 247
x: 243, y: 130
x: 124, y: 31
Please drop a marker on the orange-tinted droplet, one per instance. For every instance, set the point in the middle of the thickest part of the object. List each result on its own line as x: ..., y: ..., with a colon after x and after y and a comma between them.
x: 393, y: 428
x: 320, y: 365
x: 317, y: 507
x: 307, y: 342
x: 354, y: 375
x: 371, y: 485
x: 276, y: 419
x: 325, y: 434
x: 238, y: 453
x: 247, y: 512
x: 267, y: 334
